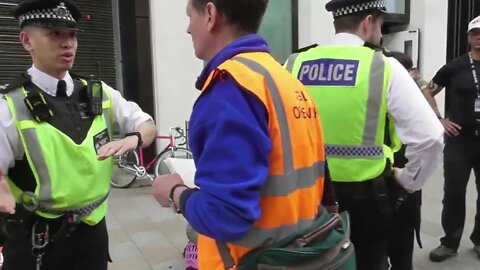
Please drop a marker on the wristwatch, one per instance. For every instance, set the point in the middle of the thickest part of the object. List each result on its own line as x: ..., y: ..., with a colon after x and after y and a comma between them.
x: 139, y: 136
x: 171, y: 194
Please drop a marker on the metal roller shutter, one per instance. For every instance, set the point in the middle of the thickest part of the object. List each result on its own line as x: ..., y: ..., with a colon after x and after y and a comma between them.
x: 96, y: 50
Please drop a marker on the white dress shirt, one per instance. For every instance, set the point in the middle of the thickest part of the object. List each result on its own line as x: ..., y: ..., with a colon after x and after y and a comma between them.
x: 416, y: 124
x: 128, y: 116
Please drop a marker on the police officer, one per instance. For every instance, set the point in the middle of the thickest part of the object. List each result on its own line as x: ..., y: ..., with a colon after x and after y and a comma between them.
x: 462, y: 143
x: 55, y: 140
x: 356, y: 88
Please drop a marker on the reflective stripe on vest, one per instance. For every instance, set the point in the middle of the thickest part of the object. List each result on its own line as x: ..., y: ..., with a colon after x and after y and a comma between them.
x: 276, y: 185
x: 35, y: 156
x: 377, y: 75
x: 291, y: 62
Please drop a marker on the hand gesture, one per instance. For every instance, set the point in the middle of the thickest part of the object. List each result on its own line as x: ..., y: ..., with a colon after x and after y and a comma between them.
x: 117, y: 148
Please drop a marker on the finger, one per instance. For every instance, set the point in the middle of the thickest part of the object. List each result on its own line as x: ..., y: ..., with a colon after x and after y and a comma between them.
x: 7, y: 209
x: 457, y: 126
x: 455, y: 131
x: 110, y: 152
x: 104, y: 148
x: 106, y: 155
x: 121, y: 151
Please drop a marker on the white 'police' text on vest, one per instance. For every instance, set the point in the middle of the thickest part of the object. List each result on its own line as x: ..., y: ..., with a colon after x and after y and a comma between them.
x: 334, y: 72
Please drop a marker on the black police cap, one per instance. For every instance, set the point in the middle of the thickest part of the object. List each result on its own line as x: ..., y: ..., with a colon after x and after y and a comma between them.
x: 48, y: 13
x: 341, y: 8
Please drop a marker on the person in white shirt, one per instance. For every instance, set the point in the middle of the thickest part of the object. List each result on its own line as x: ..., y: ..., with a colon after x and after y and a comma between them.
x: 356, y: 89
x: 56, y: 147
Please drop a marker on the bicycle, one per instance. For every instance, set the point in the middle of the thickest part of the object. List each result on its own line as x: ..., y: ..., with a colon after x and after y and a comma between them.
x: 130, y: 166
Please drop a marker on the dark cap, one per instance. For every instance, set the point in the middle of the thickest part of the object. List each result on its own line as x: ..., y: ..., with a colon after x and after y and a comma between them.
x: 48, y: 13
x: 341, y: 8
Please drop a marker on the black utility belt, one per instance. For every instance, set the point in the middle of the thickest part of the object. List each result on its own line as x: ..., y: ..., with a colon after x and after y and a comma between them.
x: 365, y: 189
x: 15, y: 228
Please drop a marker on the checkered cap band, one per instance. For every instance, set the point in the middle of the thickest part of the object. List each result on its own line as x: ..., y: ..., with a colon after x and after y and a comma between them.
x: 354, y: 151
x: 81, y: 211
x: 58, y: 13
x: 377, y: 4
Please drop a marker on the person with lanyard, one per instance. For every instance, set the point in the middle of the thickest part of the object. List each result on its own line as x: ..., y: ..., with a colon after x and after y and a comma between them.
x: 56, y: 144
x: 461, y: 78
x: 260, y: 168
x: 356, y: 89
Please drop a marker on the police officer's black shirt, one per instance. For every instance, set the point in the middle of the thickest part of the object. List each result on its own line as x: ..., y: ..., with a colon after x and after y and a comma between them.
x: 461, y: 93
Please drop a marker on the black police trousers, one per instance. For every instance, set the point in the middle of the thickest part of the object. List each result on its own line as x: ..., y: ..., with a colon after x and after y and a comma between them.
x: 406, y: 220
x: 85, y: 248
x: 371, y: 222
x: 461, y: 155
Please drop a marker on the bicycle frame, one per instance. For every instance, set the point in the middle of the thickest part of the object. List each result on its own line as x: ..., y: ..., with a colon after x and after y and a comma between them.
x: 150, y: 164
x: 171, y: 145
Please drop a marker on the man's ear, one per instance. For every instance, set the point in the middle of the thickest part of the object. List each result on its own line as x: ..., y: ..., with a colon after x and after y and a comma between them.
x: 367, y: 23
x: 26, y: 40
x: 212, y: 16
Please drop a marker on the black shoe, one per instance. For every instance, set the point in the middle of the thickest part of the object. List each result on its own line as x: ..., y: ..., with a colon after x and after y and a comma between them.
x: 441, y: 253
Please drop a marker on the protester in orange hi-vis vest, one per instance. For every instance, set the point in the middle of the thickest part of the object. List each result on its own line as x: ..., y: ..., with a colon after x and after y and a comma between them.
x: 256, y: 139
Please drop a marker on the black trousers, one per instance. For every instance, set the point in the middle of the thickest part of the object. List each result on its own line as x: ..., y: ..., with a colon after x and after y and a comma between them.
x: 461, y: 155
x: 85, y: 248
x: 406, y: 219
x: 370, y: 223
x: 402, y: 236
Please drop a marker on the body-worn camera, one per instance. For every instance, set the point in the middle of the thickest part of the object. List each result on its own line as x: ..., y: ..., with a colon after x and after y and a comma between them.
x: 95, y: 95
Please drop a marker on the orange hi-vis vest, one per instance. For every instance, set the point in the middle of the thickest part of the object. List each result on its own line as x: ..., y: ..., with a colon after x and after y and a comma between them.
x: 293, y: 192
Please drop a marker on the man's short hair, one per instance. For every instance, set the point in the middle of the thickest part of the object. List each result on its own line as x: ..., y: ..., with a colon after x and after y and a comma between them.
x: 246, y: 15
x: 350, y: 23
x: 404, y: 59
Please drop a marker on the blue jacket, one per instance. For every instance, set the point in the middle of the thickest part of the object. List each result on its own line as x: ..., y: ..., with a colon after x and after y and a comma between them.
x: 229, y: 138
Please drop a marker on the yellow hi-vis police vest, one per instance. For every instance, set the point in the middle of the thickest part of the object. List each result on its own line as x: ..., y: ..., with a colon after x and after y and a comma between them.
x: 69, y: 178
x: 349, y: 86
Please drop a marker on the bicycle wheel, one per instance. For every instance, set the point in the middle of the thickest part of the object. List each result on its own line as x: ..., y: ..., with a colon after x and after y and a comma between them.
x: 161, y: 168
x: 124, y: 172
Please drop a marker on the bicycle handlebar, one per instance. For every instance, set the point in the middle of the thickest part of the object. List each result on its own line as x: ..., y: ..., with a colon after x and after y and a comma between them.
x: 181, y: 135
x: 179, y: 130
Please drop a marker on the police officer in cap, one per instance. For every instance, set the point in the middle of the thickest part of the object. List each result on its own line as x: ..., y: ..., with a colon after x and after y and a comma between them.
x: 57, y: 149
x: 356, y: 89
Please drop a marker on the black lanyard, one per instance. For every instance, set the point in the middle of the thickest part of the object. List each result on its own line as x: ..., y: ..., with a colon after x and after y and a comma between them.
x: 475, y: 76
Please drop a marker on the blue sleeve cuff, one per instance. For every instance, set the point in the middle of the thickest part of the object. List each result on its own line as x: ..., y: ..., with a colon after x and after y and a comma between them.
x: 184, y: 197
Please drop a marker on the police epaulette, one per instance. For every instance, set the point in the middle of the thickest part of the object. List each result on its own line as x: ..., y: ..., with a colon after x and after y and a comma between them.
x: 378, y: 48
x: 304, y: 49
x: 78, y: 76
x: 15, y: 84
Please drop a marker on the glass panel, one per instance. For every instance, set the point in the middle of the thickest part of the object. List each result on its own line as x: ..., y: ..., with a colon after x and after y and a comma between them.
x: 396, y: 6
x: 277, y: 28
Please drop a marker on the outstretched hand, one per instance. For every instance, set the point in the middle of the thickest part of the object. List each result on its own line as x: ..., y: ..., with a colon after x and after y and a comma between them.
x: 117, y: 148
